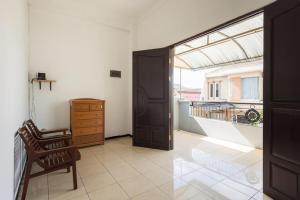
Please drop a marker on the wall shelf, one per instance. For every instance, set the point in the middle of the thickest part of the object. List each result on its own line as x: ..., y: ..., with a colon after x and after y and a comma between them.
x: 43, y: 81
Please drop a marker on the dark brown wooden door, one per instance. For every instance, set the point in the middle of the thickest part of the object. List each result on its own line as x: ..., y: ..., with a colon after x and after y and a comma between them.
x: 282, y: 100
x: 152, y: 118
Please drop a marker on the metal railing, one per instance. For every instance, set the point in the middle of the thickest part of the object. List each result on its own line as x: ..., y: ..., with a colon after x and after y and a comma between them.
x: 246, y: 113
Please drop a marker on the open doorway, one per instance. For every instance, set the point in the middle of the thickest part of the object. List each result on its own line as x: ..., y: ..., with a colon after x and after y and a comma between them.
x: 226, y: 165
x: 218, y: 104
x: 220, y: 76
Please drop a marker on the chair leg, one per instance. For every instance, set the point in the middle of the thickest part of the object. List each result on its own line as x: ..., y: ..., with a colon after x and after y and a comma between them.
x: 68, y: 170
x: 26, y: 180
x: 74, y: 176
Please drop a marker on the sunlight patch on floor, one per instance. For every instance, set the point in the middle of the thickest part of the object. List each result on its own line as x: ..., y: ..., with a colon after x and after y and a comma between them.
x: 230, y: 145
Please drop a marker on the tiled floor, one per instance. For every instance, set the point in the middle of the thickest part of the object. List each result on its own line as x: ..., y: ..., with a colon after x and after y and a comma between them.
x: 197, y: 168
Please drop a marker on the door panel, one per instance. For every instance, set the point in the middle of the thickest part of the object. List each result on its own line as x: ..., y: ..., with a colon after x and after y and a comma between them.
x: 151, y: 99
x: 157, y: 114
x: 284, y: 181
x: 141, y: 136
x: 282, y: 100
x: 151, y: 76
x: 285, y: 30
x: 286, y: 132
x: 156, y: 135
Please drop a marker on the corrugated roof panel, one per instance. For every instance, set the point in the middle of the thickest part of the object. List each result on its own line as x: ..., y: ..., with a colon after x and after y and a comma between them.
x: 199, y: 42
x: 232, y: 44
x: 196, y: 59
x: 224, y: 52
x: 178, y: 62
x: 181, y: 48
x: 244, y: 26
x: 252, y: 44
x: 214, y: 37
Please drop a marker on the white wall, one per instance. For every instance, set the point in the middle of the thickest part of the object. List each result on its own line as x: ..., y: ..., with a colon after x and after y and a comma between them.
x: 79, y: 52
x: 76, y: 44
x: 13, y: 84
x: 174, y: 20
x: 237, y: 133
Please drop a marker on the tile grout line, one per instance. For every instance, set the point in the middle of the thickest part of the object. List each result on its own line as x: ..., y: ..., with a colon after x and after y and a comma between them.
x: 84, y: 186
x: 81, y: 178
x: 234, y: 180
x: 218, y: 181
x: 115, y: 178
x: 116, y: 147
x: 88, y: 193
x: 229, y: 177
x: 252, y: 197
x: 140, y: 174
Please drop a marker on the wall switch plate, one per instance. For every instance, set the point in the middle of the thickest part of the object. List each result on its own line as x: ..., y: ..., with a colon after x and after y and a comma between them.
x: 115, y: 73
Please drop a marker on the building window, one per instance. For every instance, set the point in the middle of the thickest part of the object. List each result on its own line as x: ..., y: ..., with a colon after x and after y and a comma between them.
x: 211, y: 90
x: 250, y: 89
x: 217, y: 90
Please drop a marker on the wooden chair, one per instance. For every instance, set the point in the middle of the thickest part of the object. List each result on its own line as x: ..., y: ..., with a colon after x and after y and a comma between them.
x: 48, y: 159
x: 45, y: 133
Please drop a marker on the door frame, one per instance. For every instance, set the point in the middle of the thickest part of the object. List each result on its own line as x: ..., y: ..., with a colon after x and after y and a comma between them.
x: 211, y: 30
x: 171, y: 63
x: 221, y: 26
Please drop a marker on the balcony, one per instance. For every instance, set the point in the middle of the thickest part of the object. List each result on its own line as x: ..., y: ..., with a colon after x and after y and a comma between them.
x: 236, y: 122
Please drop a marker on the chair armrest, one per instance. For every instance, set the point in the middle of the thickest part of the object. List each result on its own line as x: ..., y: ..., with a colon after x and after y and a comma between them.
x: 62, y: 130
x: 43, y: 153
x: 55, y: 139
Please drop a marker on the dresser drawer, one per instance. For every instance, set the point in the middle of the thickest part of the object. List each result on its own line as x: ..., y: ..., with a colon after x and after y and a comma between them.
x: 87, y: 121
x: 81, y: 107
x: 81, y: 123
x: 88, y: 139
x: 87, y: 131
x: 89, y: 115
x: 96, y: 107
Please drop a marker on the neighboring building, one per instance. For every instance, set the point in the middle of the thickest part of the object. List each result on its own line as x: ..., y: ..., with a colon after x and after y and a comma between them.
x: 235, y: 83
x: 185, y: 93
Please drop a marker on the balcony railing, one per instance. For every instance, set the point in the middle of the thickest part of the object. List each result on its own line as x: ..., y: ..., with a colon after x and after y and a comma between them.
x: 246, y: 113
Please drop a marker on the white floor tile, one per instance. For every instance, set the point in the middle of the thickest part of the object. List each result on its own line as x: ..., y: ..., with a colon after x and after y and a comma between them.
x: 197, y: 169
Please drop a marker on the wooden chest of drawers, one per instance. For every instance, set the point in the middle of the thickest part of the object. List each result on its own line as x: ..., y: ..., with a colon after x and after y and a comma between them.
x: 87, y: 121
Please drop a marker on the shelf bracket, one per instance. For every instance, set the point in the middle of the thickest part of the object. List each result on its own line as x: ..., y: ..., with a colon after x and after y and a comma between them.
x: 43, y: 81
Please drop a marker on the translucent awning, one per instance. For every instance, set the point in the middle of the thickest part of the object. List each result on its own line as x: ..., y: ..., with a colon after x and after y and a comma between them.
x: 240, y: 42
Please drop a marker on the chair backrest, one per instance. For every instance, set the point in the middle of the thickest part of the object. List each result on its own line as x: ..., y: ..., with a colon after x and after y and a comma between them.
x: 31, y: 143
x: 32, y: 128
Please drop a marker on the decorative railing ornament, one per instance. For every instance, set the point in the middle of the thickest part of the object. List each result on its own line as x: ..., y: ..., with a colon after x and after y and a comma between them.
x: 252, y: 115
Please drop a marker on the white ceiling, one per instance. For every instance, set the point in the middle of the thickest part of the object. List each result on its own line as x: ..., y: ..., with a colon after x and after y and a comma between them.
x: 117, y: 13
x: 125, y: 8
